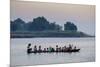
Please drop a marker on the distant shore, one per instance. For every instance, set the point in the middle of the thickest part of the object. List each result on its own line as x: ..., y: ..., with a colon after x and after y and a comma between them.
x: 47, y: 34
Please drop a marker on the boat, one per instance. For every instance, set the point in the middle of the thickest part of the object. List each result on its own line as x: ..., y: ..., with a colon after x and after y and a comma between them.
x: 50, y: 49
x: 68, y: 51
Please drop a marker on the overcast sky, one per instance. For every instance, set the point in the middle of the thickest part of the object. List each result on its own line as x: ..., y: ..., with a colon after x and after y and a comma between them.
x: 81, y: 15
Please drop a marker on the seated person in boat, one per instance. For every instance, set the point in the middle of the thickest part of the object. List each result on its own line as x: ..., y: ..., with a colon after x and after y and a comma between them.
x: 59, y: 49
x: 40, y: 50
x: 29, y: 49
x: 75, y: 48
x: 35, y: 49
x: 56, y: 48
x: 44, y: 50
x: 64, y: 49
x: 51, y: 49
x: 70, y: 47
x: 47, y: 50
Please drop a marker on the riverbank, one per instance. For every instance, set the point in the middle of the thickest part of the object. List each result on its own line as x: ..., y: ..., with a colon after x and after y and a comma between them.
x: 48, y: 34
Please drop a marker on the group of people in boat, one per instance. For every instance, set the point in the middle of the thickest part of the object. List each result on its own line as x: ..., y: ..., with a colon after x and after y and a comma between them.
x: 70, y: 48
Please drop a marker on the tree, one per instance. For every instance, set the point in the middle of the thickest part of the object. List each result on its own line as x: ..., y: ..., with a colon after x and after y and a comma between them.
x: 17, y: 25
x: 12, y: 26
x: 28, y: 26
x: 70, y: 26
x: 55, y: 27
x: 52, y: 26
x: 39, y: 24
x: 58, y: 27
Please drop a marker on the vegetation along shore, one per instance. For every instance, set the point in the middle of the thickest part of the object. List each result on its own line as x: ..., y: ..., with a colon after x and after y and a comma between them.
x: 41, y: 27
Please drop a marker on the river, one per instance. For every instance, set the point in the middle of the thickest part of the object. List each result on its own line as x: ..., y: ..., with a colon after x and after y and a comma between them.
x: 20, y: 57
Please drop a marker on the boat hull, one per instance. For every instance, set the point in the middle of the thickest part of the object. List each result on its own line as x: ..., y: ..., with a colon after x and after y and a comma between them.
x: 68, y: 51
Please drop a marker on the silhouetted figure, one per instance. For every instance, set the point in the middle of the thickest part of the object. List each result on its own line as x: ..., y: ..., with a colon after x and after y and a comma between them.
x: 53, y: 50
x: 75, y: 48
x: 60, y: 49
x: 63, y: 49
x: 35, y: 49
x: 56, y: 48
x: 40, y: 50
x: 29, y: 49
x: 44, y: 50
x: 50, y: 49
x: 47, y: 49
x: 70, y: 47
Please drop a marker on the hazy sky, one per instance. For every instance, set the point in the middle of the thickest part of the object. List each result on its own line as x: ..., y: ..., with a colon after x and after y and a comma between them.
x: 81, y: 15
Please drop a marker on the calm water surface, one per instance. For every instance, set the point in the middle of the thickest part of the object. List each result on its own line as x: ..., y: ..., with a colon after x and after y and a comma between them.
x: 20, y: 57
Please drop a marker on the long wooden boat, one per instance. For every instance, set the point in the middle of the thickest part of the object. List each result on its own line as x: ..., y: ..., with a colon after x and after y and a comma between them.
x: 68, y: 51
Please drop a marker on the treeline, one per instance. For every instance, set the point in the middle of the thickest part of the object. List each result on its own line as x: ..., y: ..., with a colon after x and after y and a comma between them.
x: 40, y: 24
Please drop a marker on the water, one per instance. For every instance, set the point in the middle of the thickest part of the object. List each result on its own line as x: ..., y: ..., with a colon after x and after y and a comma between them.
x: 20, y: 57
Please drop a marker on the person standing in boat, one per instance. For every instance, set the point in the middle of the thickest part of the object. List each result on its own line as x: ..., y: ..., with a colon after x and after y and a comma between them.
x: 35, y: 49
x: 29, y: 49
